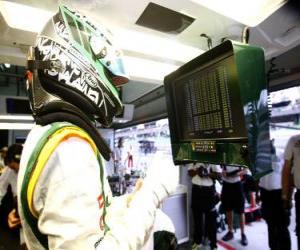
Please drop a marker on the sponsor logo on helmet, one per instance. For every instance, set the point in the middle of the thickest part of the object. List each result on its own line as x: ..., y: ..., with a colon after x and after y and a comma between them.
x: 90, y: 80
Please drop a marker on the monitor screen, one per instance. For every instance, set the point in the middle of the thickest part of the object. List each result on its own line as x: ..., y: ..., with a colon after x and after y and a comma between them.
x: 208, y: 104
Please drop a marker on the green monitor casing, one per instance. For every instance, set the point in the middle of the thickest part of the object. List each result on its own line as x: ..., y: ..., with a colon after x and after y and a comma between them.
x: 218, y: 108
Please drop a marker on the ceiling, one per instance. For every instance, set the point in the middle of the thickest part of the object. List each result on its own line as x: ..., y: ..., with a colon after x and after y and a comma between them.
x: 279, y: 35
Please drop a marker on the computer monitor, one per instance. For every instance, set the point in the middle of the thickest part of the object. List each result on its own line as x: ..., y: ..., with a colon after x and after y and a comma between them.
x: 217, y: 108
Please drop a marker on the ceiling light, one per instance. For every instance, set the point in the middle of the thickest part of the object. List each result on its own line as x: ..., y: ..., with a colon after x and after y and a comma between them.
x: 16, y: 126
x: 147, y: 69
x: 23, y: 17
x: 248, y: 12
x: 154, y: 45
x: 16, y: 117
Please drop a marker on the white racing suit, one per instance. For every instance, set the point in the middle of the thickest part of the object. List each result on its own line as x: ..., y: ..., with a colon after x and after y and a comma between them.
x: 68, y: 201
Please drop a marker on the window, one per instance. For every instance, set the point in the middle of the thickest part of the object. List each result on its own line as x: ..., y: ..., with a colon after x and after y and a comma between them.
x: 285, y: 117
x: 148, y: 144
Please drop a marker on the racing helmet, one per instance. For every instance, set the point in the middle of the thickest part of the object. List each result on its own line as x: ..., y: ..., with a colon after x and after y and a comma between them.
x: 75, y: 66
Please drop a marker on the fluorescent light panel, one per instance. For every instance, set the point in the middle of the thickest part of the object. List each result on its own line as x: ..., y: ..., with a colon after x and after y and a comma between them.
x: 23, y: 17
x: 16, y: 126
x: 248, y: 12
x: 154, y: 45
x: 16, y: 117
x: 147, y: 69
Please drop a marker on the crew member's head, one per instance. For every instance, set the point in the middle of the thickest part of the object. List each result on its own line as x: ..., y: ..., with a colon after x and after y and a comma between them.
x: 13, y: 156
x: 75, y: 67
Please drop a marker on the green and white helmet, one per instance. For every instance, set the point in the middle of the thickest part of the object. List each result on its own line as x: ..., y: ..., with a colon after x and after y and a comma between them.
x: 75, y: 65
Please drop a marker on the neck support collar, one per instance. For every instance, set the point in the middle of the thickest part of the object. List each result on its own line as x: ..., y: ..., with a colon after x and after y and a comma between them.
x: 81, y: 121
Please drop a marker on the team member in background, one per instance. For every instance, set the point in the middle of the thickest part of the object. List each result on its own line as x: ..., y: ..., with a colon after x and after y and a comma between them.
x: 10, y: 173
x: 119, y: 157
x: 129, y: 158
x: 291, y: 178
x: 233, y: 199
x: 272, y: 206
x: 9, y: 178
x: 203, y: 202
x: 65, y: 202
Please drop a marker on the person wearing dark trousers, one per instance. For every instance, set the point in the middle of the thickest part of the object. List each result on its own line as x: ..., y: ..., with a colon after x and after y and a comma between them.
x: 233, y: 199
x: 291, y: 179
x: 272, y: 206
x: 276, y: 219
x: 12, y: 238
x: 8, y: 179
x: 204, y: 199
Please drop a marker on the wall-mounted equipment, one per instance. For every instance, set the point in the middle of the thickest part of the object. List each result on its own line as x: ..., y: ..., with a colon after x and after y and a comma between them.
x: 126, y: 115
x: 217, y: 108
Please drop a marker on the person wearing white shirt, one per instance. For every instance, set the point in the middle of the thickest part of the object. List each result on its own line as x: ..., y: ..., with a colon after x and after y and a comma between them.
x: 10, y: 173
x: 9, y: 178
x: 119, y: 158
x: 204, y: 200
x: 8, y: 191
x: 292, y: 164
x: 233, y: 199
x: 272, y: 206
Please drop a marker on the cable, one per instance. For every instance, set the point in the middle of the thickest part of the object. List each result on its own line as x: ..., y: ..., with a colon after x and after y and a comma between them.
x: 209, y: 41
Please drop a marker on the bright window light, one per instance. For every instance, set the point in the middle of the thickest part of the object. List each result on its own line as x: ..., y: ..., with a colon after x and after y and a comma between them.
x: 23, y: 17
x: 248, y: 12
x: 16, y: 117
x: 16, y: 126
x: 155, y: 46
x: 147, y: 69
